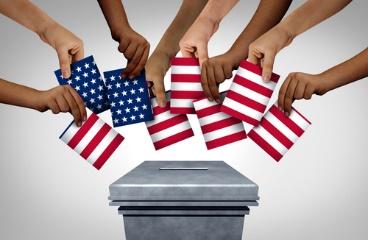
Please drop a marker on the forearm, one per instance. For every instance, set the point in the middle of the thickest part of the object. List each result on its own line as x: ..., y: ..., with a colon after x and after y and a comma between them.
x: 18, y: 95
x: 347, y: 72
x: 26, y: 14
x: 115, y: 16
x: 188, y: 12
x: 216, y: 10
x: 268, y: 14
x: 310, y: 14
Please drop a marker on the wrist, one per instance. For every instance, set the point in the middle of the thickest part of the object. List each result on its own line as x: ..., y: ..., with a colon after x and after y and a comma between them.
x: 119, y: 32
x: 324, y: 83
x: 287, y: 33
x: 36, y: 100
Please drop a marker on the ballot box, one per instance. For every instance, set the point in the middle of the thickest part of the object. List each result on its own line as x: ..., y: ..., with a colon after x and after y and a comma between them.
x: 183, y: 200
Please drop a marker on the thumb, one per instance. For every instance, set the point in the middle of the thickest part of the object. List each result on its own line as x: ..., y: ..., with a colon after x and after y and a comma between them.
x: 202, y: 53
x: 159, y: 90
x: 268, y: 61
x: 64, y: 62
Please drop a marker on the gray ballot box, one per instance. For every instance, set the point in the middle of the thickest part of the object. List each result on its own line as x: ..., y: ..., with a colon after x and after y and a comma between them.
x: 183, y: 200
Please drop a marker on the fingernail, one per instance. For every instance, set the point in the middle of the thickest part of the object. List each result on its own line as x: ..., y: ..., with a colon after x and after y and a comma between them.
x: 218, y: 100
x: 210, y: 98
x: 280, y: 108
x: 265, y: 78
x: 84, y: 118
x: 287, y: 114
x: 131, y: 76
x: 79, y: 124
x: 66, y: 74
x: 161, y: 104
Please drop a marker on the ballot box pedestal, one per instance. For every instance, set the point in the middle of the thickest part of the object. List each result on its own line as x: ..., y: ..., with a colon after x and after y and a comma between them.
x: 183, y: 200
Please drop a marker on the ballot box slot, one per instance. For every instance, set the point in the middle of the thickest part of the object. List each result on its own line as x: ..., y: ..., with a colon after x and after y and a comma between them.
x: 183, y: 168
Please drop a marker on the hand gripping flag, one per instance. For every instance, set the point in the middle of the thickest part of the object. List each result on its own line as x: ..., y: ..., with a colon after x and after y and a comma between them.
x: 276, y: 133
x: 248, y: 95
x: 185, y: 85
x: 87, y: 81
x: 95, y: 140
x: 167, y: 128
x: 218, y: 128
x: 128, y: 98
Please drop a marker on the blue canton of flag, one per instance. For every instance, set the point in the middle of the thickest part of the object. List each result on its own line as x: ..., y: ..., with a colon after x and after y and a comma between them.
x: 128, y: 98
x: 87, y: 81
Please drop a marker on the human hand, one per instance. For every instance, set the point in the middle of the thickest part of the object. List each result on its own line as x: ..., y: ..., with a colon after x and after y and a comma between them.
x: 135, y: 49
x: 214, y: 71
x: 156, y: 68
x: 298, y: 86
x: 195, y: 40
x: 69, y: 47
x: 62, y: 99
x: 263, y: 50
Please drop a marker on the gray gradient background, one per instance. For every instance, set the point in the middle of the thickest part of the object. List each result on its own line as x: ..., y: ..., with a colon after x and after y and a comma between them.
x: 318, y: 191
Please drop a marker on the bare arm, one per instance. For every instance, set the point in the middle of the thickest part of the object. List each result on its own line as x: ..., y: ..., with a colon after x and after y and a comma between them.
x: 168, y: 47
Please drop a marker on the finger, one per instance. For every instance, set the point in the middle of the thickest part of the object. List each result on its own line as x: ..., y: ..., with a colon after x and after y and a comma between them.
x: 64, y: 61
x: 133, y: 63
x: 204, y: 82
x: 228, y: 71
x: 282, y: 93
x: 289, y: 96
x: 299, y: 90
x: 62, y: 103
x: 254, y: 56
x: 123, y: 46
x: 73, y: 108
x: 309, y: 90
x: 141, y: 64
x: 268, y: 61
x: 54, y: 107
x: 159, y: 91
x: 78, y: 55
x: 79, y: 102
x: 219, y: 78
x: 202, y: 53
x: 212, y: 82
x: 129, y: 53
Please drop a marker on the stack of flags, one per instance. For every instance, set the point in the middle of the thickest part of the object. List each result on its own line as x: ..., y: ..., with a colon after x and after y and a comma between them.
x: 221, y: 123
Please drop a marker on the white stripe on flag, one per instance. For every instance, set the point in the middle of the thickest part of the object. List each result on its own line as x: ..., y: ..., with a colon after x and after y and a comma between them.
x: 102, y: 146
x: 249, y: 93
x: 242, y: 108
x: 263, y: 133
x: 160, y: 118
x: 89, y: 136
x: 69, y: 134
x: 186, y: 86
x: 299, y: 120
x: 170, y: 131
x: 178, y: 69
x: 255, y: 78
x: 204, y: 103
x: 184, y: 103
x: 281, y: 127
x: 213, y: 118
x: 223, y: 132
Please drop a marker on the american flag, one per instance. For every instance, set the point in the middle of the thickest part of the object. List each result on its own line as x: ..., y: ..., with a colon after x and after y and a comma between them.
x: 167, y: 128
x: 95, y: 140
x: 87, y: 81
x: 248, y: 95
x: 128, y: 98
x: 185, y: 85
x: 218, y: 128
x: 276, y: 133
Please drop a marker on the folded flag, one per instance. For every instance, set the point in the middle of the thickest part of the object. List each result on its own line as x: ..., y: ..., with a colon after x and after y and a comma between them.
x: 248, y: 95
x: 167, y: 128
x: 87, y: 81
x: 128, y: 98
x: 218, y: 128
x: 276, y: 133
x: 95, y: 140
x: 185, y: 85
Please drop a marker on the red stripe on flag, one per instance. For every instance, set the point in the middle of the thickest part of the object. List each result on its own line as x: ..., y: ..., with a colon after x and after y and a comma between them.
x: 253, y: 86
x: 276, y: 133
x: 239, y: 115
x: 246, y: 101
x: 173, y: 139
x: 178, y: 94
x: 95, y: 141
x: 157, y: 110
x: 287, y: 121
x: 257, y: 70
x: 264, y: 145
x: 219, y: 124
x: 301, y: 115
x: 108, y: 151
x: 166, y: 124
x: 182, y: 110
x: 87, y: 125
x: 185, y: 61
x: 186, y: 78
x: 208, y: 111
x: 226, y: 140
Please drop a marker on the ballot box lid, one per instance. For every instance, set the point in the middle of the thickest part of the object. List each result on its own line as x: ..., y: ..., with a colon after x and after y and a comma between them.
x: 183, y: 181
